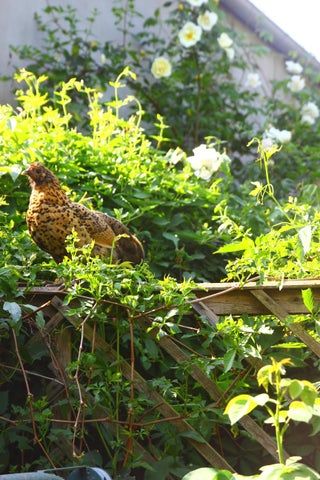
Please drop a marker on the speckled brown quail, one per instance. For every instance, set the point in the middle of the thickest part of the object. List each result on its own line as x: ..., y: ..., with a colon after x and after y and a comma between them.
x: 51, y: 216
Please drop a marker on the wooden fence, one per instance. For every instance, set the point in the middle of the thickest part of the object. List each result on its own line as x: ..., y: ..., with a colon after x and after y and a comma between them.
x: 213, y: 300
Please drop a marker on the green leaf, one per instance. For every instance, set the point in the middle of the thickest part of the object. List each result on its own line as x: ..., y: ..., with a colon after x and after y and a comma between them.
x: 283, y: 415
x: 305, y: 237
x: 307, y: 297
x: 289, y: 345
x: 295, y: 389
x: 13, y: 309
x: 173, y: 237
x: 237, y: 246
x: 228, y: 359
x: 257, y: 190
x: 315, y: 422
x: 194, y: 435
x: 288, y: 472
x: 240, y: 406
x: 208, y: 474
x: 300, y: 412
x: 264, y: 376
x: 40, y: 321
x: 261, y: 399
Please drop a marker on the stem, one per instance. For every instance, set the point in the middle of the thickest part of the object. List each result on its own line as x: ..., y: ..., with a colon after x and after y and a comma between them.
x: 270, y: 188
x: 118, y: 386
x: 198, y: 99
x: 279, y: 436
x: 125, y: 26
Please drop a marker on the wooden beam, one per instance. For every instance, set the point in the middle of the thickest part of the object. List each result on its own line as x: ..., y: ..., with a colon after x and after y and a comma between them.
x: 280, y: 312
x: 232, y: 299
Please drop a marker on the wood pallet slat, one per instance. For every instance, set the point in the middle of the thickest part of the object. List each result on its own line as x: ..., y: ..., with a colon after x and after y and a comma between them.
x: 280, y: 312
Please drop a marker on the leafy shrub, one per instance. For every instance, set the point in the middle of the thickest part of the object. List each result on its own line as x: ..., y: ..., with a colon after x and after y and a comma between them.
x: 118, y: 167
x: 208, y: 90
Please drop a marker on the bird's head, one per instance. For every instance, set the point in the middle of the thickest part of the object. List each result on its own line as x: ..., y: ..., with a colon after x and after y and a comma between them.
x: 39, y: 175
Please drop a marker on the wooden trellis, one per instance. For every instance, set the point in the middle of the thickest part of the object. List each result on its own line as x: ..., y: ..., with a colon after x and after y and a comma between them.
x: 213, y: 300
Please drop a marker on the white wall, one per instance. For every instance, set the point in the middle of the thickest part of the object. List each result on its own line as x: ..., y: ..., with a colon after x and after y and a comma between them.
x: 18, y: 27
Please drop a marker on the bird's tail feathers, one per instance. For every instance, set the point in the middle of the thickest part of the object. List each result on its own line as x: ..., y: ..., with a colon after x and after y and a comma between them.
x: 129, y: 249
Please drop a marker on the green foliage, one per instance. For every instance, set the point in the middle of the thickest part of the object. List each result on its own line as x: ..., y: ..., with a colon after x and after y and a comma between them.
x: 282, y: 409
x: 290, y: 246
x: 83, y: 129
x: 114, y: 168
x: 118, y: 167
x: 205, y: 94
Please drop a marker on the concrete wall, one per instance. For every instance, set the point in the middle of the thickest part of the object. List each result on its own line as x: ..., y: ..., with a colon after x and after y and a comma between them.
x: 270, y: 66
x: 18, y: 27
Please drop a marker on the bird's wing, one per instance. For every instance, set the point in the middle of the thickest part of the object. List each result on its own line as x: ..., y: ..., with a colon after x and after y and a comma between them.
x: 104, y: 229
x: 96, y: 225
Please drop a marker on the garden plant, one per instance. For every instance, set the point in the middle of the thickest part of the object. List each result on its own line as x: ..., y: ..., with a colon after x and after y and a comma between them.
x: 154, y: 131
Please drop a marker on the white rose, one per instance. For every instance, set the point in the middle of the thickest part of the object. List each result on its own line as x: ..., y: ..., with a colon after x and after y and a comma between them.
x: 310, y: 109
x: 267, y: 143
x: 284, y: 136
x: 308, y: 120
x: 230, y: 53
x: 277, y: 136
x: 190, y: 34
x: 205, y: 161
x: 293, y: 67
x: 253, y: 80
x: 272, y: 133
x: 225, y: 41
x: 197, y: 3
x: 207, y: 20
x: 296, y: 84
x: 103, y: 59
x: 161, y: 67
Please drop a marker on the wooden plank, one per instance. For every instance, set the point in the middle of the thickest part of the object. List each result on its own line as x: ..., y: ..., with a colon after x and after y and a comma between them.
x: 235, y: 299
x: 240, y: 301
x: 274, y: 284
x: 280, y: 312
x: 140, y: 384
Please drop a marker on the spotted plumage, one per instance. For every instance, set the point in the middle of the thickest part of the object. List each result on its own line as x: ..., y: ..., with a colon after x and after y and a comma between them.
x: 51, y: 216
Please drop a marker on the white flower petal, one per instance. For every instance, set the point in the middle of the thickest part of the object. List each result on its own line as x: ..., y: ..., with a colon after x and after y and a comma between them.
x: 190, y: 34
x: 296, y: 84
x: 293, y: 67
x: 230, y: 53
x: 197, y: 3
x: 310, y: 109
x: 204, y: 173
x: 207, y: 20
x: 175, y: 156
x: 225, y: 41
x: 103, y: 59
x: 253, y: 80
x: 195, y: 162
x: 308, y: 119
x: 284, y: 136
x: 267, y: 143
x: 161, y: 67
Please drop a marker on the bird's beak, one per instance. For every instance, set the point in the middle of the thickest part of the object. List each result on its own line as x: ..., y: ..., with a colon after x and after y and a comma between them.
x: 25, y: 172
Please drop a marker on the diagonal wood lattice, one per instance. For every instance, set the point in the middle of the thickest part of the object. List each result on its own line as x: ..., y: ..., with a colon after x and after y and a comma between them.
x: 213, y: 300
